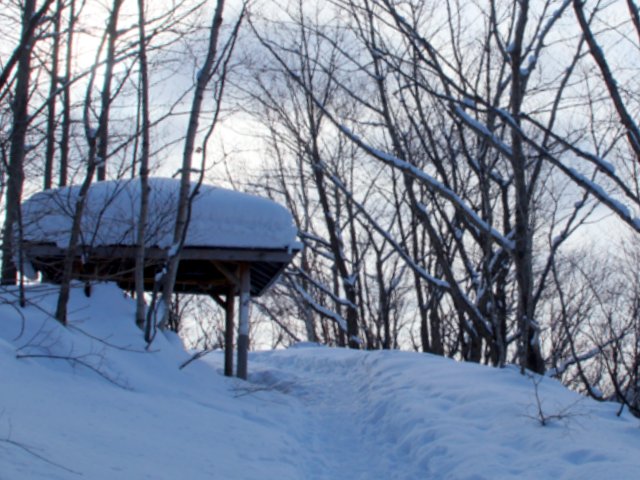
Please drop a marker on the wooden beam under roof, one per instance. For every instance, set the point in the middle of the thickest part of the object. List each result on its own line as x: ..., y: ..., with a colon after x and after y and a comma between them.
x: 202, y: 270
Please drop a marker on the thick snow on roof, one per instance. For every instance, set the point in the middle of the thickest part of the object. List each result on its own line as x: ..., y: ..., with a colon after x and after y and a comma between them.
x: 219, y: 217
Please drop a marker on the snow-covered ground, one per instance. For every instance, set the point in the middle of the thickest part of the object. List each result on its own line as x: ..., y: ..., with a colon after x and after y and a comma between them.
x: 98, y: 406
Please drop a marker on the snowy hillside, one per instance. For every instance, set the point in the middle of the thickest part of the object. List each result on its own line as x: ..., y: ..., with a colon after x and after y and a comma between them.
x: 98, y: 406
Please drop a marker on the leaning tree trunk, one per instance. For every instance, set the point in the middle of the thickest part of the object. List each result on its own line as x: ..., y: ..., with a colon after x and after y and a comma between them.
x: 144, y: 168
x: 204, y: 77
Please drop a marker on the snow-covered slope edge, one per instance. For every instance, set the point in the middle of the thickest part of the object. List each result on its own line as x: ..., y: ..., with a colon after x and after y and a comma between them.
x: 100, y: 407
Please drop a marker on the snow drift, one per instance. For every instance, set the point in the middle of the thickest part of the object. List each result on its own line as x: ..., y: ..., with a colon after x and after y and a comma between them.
x: 88, y: 401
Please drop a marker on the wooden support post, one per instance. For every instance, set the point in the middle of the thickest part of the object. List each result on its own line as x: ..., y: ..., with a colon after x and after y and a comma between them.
x: 228, y: 331
x: 243, y: 320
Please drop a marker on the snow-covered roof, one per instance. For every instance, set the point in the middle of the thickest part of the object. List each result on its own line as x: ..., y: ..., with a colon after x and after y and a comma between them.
x: 219, y: 217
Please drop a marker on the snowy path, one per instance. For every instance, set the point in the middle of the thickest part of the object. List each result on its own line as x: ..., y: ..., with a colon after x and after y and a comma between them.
x: 390, y: 415
x: 338, y: 436
x: 359, y: 423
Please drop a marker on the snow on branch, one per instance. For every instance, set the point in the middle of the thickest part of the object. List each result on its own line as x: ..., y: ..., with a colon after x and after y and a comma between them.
x: 627, y: 120
x: 303, y: 235
x: 593, y: 188
x: 480, y: 128
x: 596, y: 190
x: 558, y: 371
x: 457, y: 292
x: 385, y: 234
x: 540, y: 38
x: 324, y: 289
x: 601, y: 164
x: 321, y: 309
x: 430, y: 182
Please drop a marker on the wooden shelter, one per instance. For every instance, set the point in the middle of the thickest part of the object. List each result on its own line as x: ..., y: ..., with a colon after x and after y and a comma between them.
x: 210, y: 263
x: 221, y: 273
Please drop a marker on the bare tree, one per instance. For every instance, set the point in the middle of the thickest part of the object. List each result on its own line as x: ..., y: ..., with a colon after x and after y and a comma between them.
x: 17, y: 152
x: 144, y: 167
x: 54, y: 81
x: 215, y: 64
x: 65, y: 135
x: 28, y: 28
x: 103, y: 132
x: 480, y: 151
x: 93, y: 137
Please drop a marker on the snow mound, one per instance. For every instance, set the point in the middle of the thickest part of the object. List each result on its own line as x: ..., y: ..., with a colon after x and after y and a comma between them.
x: 219, y: 217
x: 88, y: 401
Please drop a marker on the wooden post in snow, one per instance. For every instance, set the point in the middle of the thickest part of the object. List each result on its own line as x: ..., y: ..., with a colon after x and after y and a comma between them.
x: 228, y: 331
x: 243, y: 320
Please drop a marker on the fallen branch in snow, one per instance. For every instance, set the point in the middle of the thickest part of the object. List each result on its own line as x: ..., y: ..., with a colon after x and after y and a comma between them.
x: 73, y: 361
x: 543, y: 417
x: 30, y: 451
x: 196, y: 356
x: 18, y: 310
x: 122, y: 348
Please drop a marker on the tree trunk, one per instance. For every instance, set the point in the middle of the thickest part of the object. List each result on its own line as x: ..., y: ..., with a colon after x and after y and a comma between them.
x: 103, y: 136
x: 92, y: 135
x: 144, y: 169
x: 52, y: 100
x: 65, y: 136
x: 530, y: 356
x: 204, y: 76
x: 17, y: 151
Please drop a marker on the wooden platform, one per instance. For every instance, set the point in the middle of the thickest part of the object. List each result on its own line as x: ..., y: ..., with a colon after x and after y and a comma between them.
x: 222, y: 273
x: 202, y: 270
